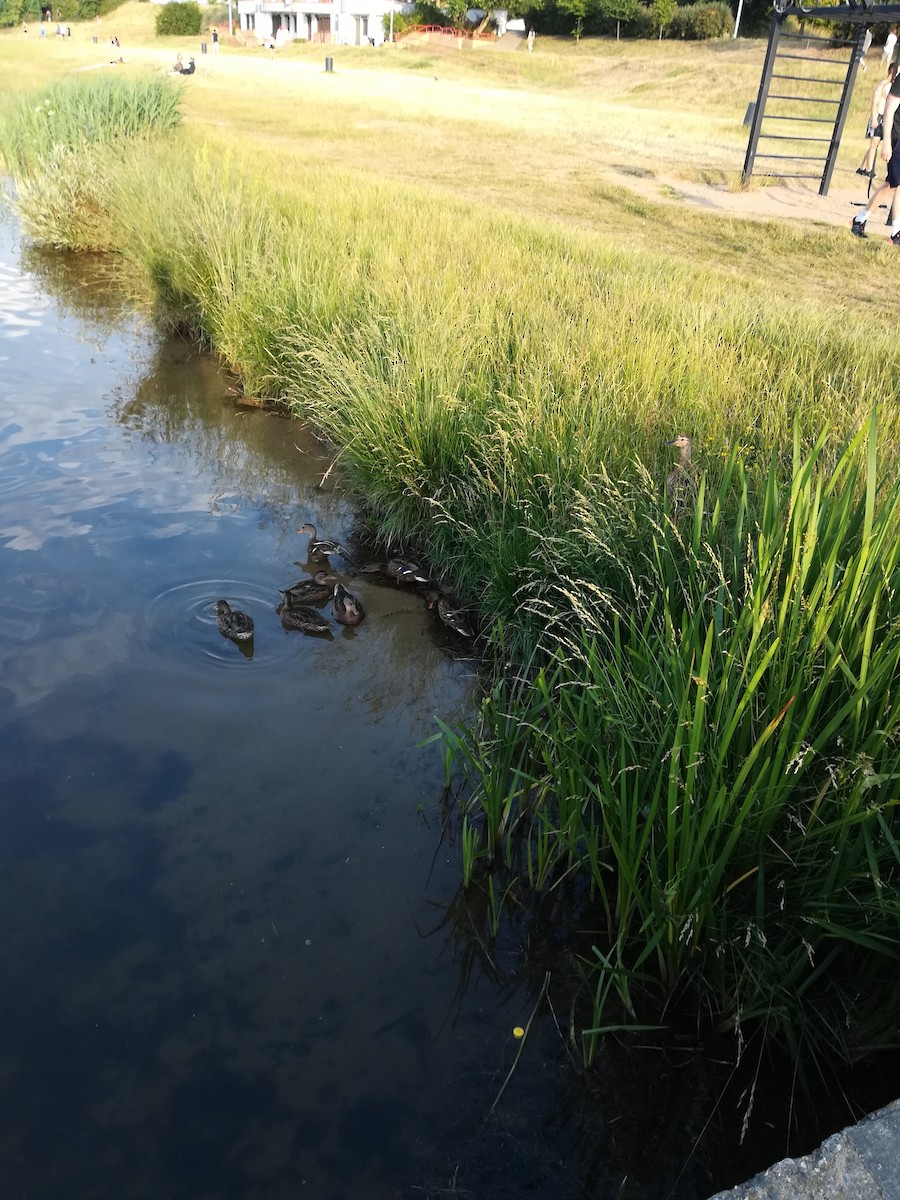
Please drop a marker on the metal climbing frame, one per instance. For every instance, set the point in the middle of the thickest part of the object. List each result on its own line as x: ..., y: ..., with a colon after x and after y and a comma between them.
x: 823, y: 99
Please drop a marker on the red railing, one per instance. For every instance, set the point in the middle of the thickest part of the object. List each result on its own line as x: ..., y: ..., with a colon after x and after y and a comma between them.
x: 445, y: 30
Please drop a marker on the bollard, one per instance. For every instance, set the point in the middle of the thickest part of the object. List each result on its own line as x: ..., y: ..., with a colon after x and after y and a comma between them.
x: 203, y: 47
x: 94, y: 40
x: 750, y: 113
x: 329, y: 64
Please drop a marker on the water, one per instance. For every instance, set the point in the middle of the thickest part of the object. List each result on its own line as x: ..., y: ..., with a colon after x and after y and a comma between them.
x: 218, y: 974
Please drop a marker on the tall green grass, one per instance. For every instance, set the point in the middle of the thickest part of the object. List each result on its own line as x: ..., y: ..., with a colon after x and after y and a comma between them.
x: 70, y: 115
x: 715, y: 751
x: 695, y: 717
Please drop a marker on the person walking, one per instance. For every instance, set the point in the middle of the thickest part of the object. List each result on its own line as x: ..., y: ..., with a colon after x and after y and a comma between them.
x: 215, y: 40
x: 890, y: 140
x: 875, y: 126
x: 887, y: 54
x: 864, y: 49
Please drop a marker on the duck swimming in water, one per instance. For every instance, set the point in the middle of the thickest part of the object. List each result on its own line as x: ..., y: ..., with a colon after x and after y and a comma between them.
x: 299, y: 616
x: 309, y: 591
x: 233, y: 623
x: 399, y: 569
x: 453, y: 616
x: 346, y: 608
x: 319, y: 548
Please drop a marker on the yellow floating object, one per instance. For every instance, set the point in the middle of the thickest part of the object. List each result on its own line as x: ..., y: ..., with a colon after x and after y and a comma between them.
x: 518, y: 1032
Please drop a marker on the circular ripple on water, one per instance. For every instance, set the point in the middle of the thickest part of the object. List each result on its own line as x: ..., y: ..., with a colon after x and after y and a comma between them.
x: 181, y: 623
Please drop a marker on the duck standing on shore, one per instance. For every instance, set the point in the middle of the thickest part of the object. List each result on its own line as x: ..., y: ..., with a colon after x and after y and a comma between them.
x: 681, y: 487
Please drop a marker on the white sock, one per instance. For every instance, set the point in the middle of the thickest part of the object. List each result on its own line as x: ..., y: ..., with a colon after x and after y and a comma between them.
x: 862, y: 217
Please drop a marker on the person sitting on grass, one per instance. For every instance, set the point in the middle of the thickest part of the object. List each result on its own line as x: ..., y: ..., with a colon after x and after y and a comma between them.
x: 177, y: 65
x: 190, y: 68
x: 891, y: 139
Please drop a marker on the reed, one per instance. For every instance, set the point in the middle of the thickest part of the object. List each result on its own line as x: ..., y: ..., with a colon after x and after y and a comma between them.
x: 715, y: 752
x: 38, y: 128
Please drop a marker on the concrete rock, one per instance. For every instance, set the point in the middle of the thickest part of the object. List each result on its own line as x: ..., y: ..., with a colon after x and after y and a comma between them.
x: 859, y: 1163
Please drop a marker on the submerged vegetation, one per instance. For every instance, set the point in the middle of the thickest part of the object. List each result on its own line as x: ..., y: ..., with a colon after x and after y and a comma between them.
x: 693, y: 719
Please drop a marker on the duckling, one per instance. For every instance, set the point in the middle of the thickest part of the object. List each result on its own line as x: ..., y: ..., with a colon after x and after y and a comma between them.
x: 454, y: 618
x: 398, y: 569
x: 309, y: 591
x: 307, y: 620
x: 346, y: 608
x: 233, y: 623
x: 680, y: 486
x: 319, y: 548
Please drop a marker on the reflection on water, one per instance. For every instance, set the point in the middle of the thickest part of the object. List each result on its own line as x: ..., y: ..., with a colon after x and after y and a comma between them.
x: 217, y: 873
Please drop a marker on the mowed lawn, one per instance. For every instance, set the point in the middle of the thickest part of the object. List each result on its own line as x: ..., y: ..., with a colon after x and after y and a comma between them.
x: 594, y: 134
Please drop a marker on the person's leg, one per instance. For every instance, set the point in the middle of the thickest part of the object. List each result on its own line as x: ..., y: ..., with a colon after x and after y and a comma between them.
x: 868, y: 158
x: 858, y: 224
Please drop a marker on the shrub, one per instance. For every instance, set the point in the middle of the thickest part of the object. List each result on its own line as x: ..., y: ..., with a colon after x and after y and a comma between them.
x: 179, y: 18
x: 215, y: 15
x: 422, y: 14
x: 698, y: 22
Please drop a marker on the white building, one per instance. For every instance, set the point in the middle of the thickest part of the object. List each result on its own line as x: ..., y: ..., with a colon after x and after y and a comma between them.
x: 337, y: 22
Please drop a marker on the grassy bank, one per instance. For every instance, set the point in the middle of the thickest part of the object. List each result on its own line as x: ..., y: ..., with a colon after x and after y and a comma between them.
x: 696, y: 718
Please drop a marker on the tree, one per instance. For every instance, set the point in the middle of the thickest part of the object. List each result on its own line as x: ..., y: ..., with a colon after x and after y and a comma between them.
x: 663, y: 11
x: 577, y: 9
x: 618, y: 11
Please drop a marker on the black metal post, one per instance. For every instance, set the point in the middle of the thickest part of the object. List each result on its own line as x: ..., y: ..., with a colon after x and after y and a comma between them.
x: 765, y: 81
x: 843, y: 109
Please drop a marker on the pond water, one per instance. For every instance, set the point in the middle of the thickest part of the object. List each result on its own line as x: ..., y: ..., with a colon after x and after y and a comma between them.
x: 235, y: 964
x: 227, y: 969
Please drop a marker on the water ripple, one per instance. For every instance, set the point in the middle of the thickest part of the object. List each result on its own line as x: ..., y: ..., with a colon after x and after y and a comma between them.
x: 181, y: 623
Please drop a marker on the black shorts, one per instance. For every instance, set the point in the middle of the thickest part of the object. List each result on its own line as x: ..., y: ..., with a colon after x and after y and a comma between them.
x: 877, y: 132
x: 893, y: 171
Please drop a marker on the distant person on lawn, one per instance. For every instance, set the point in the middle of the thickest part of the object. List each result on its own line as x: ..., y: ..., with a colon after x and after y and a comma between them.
x: 887, y: 54
x: 215, y: 40
x: 891, y: 139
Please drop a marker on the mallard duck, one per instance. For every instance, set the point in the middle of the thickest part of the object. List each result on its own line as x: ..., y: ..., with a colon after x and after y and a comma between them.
x: 454, y: 618
x: 233, y: 623
x: 319, y: 548
x: 680, y: 486
x: 309, y: 591
x: 397, y: 568
x: 299, y: 616
x: 346, y: 608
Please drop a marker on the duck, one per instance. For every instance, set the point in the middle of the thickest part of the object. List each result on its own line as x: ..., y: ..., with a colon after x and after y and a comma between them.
x: 319, y: 548
x: 680, y: 486
x: 346, y: 608
x: 397, y: 568
x: 453, y: 617
x: 309, y: 591
x: 299, y: 616
x: 233, y: 623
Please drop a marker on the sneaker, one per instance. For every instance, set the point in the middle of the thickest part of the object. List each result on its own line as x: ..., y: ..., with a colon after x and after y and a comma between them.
x: 895, y: 238
x: 858, y: 228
